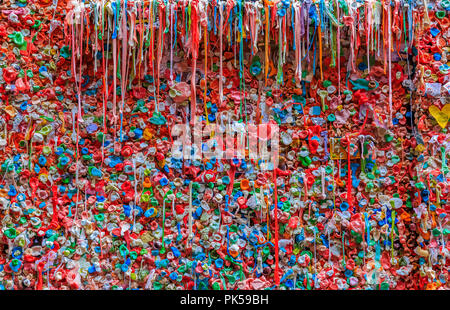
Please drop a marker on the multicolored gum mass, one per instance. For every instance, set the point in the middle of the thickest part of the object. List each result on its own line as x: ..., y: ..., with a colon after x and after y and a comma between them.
x: 111, y: 178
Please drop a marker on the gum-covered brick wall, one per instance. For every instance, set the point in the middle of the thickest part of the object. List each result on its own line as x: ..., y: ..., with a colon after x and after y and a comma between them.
x: 101, y: 186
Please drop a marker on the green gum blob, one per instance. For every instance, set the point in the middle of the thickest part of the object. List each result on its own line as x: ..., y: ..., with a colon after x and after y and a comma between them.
x: 18, y: 40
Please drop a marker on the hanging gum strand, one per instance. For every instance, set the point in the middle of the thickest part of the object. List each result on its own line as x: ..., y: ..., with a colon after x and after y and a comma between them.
x: 266, y: 41
x: 320, y: 45
x: 206, y: 72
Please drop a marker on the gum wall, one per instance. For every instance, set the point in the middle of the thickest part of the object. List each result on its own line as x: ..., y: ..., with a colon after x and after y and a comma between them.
x: 97, y: 192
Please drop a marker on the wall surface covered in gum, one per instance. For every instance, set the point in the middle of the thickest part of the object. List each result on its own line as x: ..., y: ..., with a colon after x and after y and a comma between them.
x: 99, y: 191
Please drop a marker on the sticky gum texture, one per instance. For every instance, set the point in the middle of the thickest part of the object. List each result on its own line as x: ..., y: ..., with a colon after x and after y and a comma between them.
x: 76, y: 215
